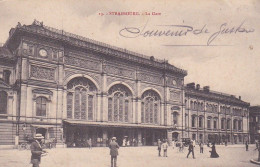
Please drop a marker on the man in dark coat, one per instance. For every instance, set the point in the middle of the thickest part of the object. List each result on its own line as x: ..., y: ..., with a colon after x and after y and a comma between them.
x: 113, y: 151
x: 159, y: 147
x: 191, y: 150
x: 246, y: 145
x: 36, y: 150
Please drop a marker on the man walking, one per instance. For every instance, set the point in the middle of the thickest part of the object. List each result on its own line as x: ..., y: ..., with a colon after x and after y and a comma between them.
x: 201, y: 147
x: 159, y: 147
x: 246, y: 146
x: 165, y: 147
x: 113, y: 146
x: 191, y: 150
x: 36, y: 150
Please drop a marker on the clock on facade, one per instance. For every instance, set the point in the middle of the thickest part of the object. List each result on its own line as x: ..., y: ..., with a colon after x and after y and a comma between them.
x: 43, y: 52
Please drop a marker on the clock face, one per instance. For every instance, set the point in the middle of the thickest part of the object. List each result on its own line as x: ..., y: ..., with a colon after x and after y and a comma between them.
x: 174, y: 82
x: 43, y: 53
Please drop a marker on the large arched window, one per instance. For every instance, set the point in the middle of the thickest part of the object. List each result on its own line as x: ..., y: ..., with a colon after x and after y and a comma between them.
x: 150, y: 107
x: 3, y: 102
x: 81, y: 98
x: 175, y: 118
x: 193, y: 121
x: 119, y: 103
x: 41, y: 103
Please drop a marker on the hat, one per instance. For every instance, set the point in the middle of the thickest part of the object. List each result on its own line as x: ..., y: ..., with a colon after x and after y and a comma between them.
x: 38, y: 136
x: 113, y: 138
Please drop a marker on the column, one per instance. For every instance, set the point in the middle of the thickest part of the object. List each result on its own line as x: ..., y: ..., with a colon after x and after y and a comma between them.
x: 104, y: 110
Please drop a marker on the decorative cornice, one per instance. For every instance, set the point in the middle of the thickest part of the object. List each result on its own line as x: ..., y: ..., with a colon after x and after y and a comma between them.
x: 79, y: 41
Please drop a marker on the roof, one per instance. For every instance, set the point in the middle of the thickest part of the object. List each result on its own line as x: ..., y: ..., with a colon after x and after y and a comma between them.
x: 5, y: 53
x: 38, y: 28
x: 214, y: 95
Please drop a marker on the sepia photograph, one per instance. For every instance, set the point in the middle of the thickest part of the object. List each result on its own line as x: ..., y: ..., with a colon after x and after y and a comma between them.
x: 140, y: 83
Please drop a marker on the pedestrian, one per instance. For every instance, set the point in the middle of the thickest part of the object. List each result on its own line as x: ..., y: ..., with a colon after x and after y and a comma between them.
x: 213, y: 152
x: 165, y: 147
x: 159, y: 143
x: 256, y: 145
x: 201, y: 147
x: 89, y: 143
x: 113, y: 146
x: 181, y: 147
x: 191, y: 150
x: 36, y: 150
x: 246, y: 146
x: 173, y: 144
x: 225, y: 143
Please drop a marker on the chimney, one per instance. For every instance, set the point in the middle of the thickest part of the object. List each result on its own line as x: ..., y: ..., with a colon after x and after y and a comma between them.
x: 198, y: 86
x: 206, y: 88
x: 239, y: 97
x: 191, y: 85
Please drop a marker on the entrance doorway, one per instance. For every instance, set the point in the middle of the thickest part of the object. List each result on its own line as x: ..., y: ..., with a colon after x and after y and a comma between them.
x: 41, y: 131
x: 175, y: 136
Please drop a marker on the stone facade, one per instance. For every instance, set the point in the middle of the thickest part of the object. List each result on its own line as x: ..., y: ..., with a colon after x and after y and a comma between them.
x: 215, y: 117
x: 73, y: 89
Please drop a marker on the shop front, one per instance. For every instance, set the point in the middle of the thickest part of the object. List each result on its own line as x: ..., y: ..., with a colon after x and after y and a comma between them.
x: 80, y: 133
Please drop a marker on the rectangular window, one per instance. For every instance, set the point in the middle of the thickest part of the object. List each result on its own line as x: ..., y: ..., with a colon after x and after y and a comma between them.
x: 69, y: 105
x: 142, y: 113
x: 200, y: 122
x: 90, y: 107
x: 215, y: 124
x: 209, y: 124
x: 126, y: 111
x: 110, y: 109
x: 193, y: 121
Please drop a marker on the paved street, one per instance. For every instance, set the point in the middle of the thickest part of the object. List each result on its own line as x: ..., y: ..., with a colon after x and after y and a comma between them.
x: 231, y: 156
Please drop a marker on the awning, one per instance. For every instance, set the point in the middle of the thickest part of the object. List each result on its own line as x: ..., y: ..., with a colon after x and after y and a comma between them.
x: 107, y: 124
x: 44, y: 126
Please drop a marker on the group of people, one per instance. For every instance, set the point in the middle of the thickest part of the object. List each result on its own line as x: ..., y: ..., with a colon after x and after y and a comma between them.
x: 164, y: 146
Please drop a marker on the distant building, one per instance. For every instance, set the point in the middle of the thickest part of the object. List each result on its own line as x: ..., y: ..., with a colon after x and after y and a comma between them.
x: 215, y: 117
x: 254, y: 119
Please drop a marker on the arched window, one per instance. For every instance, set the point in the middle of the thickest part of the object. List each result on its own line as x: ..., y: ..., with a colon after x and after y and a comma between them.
x: 41, y: 106
x: 215, y: 123
x: 228, y: 124
x: 191, y: 105
x: 209, y: 123
x: 119, y: 102
x: 150, y: 107
x: 6, y: 76
x: 175, y: 118
x: 80, y: 98
x: 193, y: 121
x: 3, y: 102
x: 223, y: 123
x: 235, y: 124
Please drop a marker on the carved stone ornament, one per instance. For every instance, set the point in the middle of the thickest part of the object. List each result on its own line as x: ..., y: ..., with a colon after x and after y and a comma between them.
x: 119, y: 71
x: 175, y: 95
x: 42, y: 73
x: 81, y: 63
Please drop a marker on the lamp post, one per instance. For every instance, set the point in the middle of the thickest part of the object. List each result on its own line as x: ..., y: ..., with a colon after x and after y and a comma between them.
x: 258, y: 141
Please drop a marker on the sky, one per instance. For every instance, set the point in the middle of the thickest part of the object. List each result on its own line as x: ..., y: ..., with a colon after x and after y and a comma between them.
x: 230, y: 63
